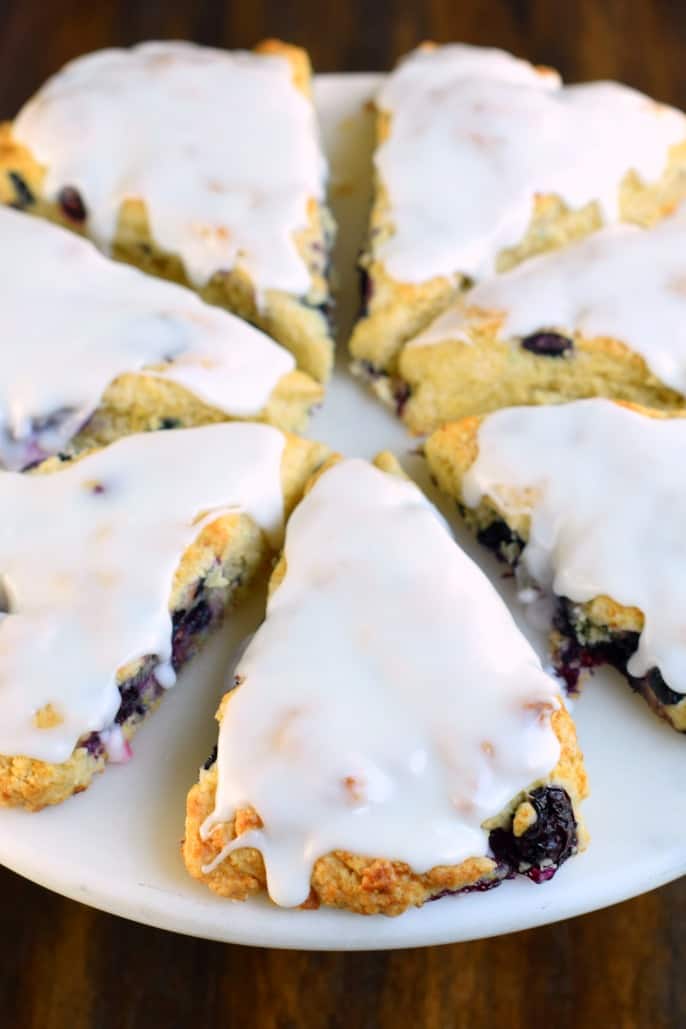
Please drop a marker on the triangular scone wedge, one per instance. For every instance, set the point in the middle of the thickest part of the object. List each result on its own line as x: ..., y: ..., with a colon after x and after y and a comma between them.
x: 114, y: 568
x: 96, y: 350
x: 605, y: 316
x: 391, y: 737
x: 197, y: 165
x: 483, y: 161
x: 585, y: 502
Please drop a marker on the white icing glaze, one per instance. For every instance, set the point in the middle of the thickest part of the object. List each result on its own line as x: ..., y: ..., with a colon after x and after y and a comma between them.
x: 222, y: 147
x: 475, y: 134
x: 376, y: 715
x: 623, y: 281
x: 72, y: 321
x: 88, y: 573
x: 608, y: 513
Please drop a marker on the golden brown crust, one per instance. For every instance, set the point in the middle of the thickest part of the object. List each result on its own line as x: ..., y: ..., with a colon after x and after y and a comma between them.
x: 233, y: 549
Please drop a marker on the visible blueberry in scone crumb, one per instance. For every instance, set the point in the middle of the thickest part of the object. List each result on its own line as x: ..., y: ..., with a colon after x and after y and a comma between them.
x: 503, y: 541
x: 138, y: 692
x: 370, y: 371
x: 71, y: 204
x: 401, y: 394
x: 547, y: 344
x: 94, y: 745
x: 187, y: 626
x: 211, y: 759
x: 366, y: 288
x: 24, y: 196
x: 583, y: 646
x: 547, y: 843
x: 170, y: 423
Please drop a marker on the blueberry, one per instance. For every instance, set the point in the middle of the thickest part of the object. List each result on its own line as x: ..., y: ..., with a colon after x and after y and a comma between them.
x: 401, y: 394
x: 547, y: 344
x: 170, y: 423
x: 71, y: 204
x: 574, y: 656
x: 187, y: 624
x: 94, y: 745
x: 366, y: 287
x: 498, y: 537
x: 138, y: 691
x: 546, y: 844
x: 211, y: 759
x: 24, y: 196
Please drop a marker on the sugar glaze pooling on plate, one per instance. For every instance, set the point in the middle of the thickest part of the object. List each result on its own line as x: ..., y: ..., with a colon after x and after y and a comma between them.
x: 624, y: 282
x: 373, y: 699
x: 595, y: 530
x: 222, y: 148
x: 87, y: 558
x: 476, y: 133
x: 95, y: 320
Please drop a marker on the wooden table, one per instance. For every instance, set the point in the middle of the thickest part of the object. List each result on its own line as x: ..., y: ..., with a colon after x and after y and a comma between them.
x: 63, y: 966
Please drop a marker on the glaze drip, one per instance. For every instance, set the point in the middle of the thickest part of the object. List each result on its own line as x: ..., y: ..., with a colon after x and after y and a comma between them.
x: 374, y: 714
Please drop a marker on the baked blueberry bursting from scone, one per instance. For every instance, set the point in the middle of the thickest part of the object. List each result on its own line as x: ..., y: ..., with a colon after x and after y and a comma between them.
x: 547, y: 344
x: 501, y: 541
x: 24, y: 196
x: 71, y: 204
x: 139, y: 693
x: 580, y: 646
x: 539, y: 851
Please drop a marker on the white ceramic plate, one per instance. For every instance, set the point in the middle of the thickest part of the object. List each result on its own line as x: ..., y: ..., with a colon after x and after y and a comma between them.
x: 116, y: 847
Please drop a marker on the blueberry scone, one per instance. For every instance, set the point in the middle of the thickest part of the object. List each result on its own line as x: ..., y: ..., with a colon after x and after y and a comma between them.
x: 197, y: 165
x: 484, y: 160
x: 114, y: 567
x: 375, y: 751
x: 604, y: 316
x: 92, y: 350
x: 585, y: 501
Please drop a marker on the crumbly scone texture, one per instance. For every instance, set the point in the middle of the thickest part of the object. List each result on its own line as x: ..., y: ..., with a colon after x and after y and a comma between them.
x: 483, y: 372
x: 451, y: 451
x: 139, y: 402
x: 363, y: 884
x: 225, y: 560
x: 393, y: 312
x: 301, y: 324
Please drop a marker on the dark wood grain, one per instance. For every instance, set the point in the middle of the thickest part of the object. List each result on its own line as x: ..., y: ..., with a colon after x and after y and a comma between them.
x: 64, y: 966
